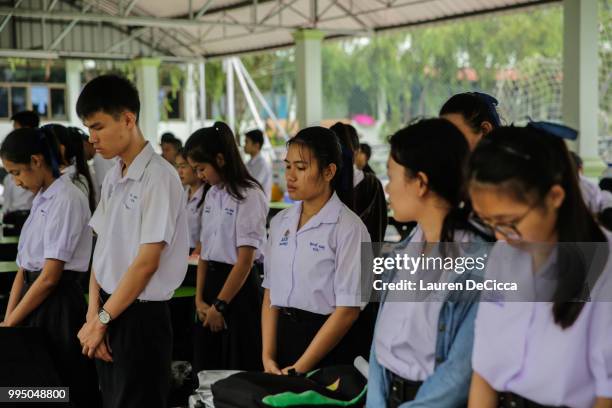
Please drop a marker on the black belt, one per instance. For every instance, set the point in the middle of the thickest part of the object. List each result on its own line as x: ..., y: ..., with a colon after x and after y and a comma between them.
x: 105, y: 296
x: 299, y: 315
x: 511, y: 400
x: 401, y: 390
x: 30, y: 276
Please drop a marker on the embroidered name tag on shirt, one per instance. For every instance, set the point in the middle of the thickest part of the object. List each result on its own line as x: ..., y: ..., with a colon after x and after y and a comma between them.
x: 130, y: 201
x: 285, y: 239
x: 316, y: 247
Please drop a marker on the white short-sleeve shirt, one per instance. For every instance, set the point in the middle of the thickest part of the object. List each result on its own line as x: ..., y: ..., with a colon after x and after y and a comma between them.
x: 57, y: 229
x: 147, y: 205
x: 318, y: 267
x: 15, y: 197
x: 261, y: 170
x: 194, y: 215
x: 228, y: 223
x: 519, y: 348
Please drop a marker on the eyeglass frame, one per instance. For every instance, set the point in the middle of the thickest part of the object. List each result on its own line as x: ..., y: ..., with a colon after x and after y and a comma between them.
x: 500, y: 227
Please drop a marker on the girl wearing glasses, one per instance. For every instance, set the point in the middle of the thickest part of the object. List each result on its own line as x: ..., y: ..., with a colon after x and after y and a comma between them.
x: 554, y: 352
x: 421, y: 352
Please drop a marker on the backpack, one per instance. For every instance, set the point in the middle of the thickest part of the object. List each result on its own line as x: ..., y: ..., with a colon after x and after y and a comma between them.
x: 337, y: 386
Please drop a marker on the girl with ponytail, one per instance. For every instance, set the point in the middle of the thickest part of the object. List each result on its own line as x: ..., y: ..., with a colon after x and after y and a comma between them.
x: 421, y: 349
x: 313, y: 261
x: 53, y: 253
x: 554, y: 351
x: 232, y: 236
x: 473, y: 113
x: 72, y: 160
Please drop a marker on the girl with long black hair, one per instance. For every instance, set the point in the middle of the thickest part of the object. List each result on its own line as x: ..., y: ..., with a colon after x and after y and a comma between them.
x: 232, y: 236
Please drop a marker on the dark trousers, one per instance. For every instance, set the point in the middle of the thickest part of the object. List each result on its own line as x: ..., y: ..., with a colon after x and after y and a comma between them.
x: 141, y: 343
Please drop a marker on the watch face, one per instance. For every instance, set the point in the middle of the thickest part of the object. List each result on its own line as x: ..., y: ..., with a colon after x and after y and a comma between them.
x: 104, y: 317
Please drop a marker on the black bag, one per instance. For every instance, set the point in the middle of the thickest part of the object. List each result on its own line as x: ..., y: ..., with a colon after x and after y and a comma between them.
x: 338, y: 386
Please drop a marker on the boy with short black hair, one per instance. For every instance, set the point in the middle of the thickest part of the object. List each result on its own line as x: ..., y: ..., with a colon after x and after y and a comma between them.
x: 140, y: 255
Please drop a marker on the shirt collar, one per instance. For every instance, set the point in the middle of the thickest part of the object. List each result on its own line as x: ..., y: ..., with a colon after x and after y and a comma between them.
x: 49, y: 193
x: 329, y: 214
x: 198, y: 193
x: 137, y: 168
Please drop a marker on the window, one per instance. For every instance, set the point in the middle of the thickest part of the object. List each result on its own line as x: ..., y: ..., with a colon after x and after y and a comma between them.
x: 171, y: 105
x: 19, y: 100
x: 48, y: 100
x: 58, y: 103
x: 4, y: 102
x: 39, y: 99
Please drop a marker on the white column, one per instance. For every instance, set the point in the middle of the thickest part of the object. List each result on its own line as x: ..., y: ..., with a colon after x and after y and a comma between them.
x: 190, y: 101
x: 74, y: 68
x: 309, y: 76
x: 147, y: 82
x: 580, y: 78
x: 202, y: 75
x: 229, y: 94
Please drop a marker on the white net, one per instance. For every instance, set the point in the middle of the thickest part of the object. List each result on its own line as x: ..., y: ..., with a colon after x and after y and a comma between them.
x: 532, y: 88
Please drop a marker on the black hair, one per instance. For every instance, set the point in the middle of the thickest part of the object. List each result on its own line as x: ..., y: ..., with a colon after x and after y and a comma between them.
x: 527, y: 164
x: 366, y: 149
x: 347, y: 147
x: 74, y: 153
x: 183, y: 153
x: 577, y: 160
x: 205, y: 144
x: 167, y: 137
x: 326, y: 148
x: 256, y: 136
x: 111, y: 94
x: 26, y: 119
x: 417, y: 149
x: 21, y: 144
x: 475, y: 107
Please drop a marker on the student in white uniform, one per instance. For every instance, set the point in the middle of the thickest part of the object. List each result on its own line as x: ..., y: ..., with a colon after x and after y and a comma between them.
x: 421, y: 350
x: 73, y: 164
x: 540, y: 351
x: 233, y: 234
x: 98, y: 166
x: 16, y: 206
x: 258, y: 166
x: 18, y: 201
x: 140, y: 254
x: 313, y: 263
x: 473, y: 113
x: 196, y: 192
x: 54, y: 250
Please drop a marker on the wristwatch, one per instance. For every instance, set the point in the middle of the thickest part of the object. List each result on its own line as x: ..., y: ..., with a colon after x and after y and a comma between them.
x: 104, y: 316
x: 221, y: 306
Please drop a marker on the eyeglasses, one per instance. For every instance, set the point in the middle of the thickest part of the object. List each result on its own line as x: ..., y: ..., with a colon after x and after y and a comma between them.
x: 507, y: 229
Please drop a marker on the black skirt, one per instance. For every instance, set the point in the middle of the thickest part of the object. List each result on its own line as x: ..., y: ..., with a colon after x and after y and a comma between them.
x: 239, y: 346
x: 297, y: 328
x: 61, y: 315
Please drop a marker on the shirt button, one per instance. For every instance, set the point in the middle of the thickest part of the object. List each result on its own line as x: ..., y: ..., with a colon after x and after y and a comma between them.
x: 439, y: 360
x: 442, y: 327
